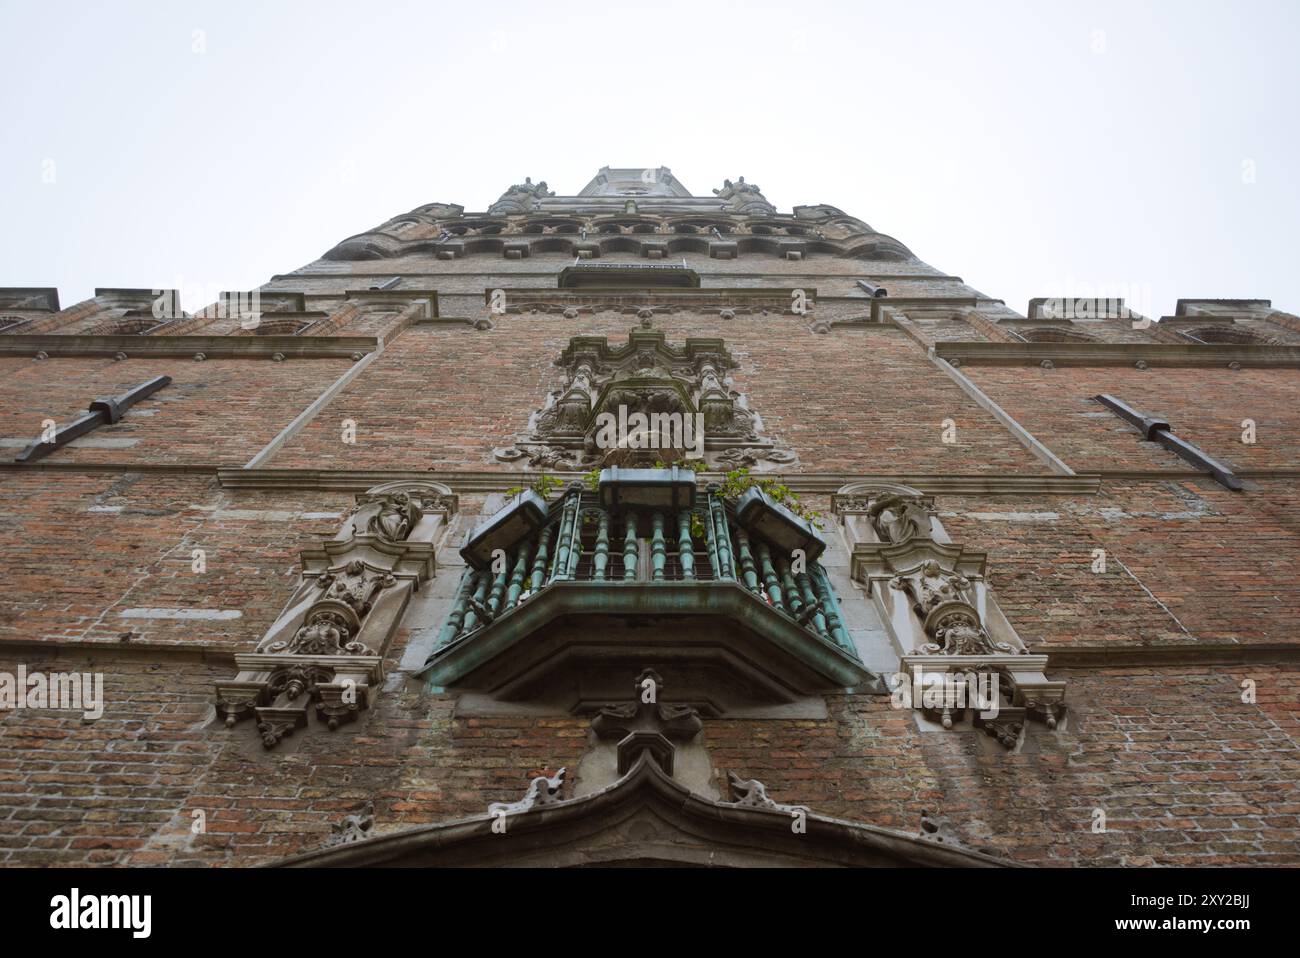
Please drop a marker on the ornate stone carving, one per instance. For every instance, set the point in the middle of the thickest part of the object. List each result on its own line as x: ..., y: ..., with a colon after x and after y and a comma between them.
x: 326, y: 632
x: 521, y: 198
x: 957, y: 631
x: 396, y: 517
x: 940, y: 598
x: 898, y: 518
x: 542, y: 790
x: 659, y: 395
x: 324, y: 654
x: 354, y: 586
x: 1006, y: 728
x: 742, y: 197
x: 646, y: 724
x: 277, y: 724
x: 353, y: 828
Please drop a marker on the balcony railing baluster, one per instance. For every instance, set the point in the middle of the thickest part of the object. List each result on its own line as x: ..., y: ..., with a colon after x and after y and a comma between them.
x: 770, y: 584
x: 601, y: 558
x: 539, y: 562
x: 658, y: 549
x: 564, y: 544
x: 747, y: 561
x: 812, y: 604
x: 520, y: 572
x: 685, y: 547
x: 631, y: 549
x: 459, y: 606
x: 834, y: 624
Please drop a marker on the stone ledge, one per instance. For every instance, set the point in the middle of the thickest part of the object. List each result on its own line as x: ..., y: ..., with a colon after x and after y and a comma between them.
x: 1117, y: 354
x: 1121, y: 656
x: 222, y: 656
x: 346, y: 480
x: 951, y: 484
x: 212, y: 347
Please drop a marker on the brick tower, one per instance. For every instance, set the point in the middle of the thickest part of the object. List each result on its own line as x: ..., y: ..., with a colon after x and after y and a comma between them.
x: 635, y: 525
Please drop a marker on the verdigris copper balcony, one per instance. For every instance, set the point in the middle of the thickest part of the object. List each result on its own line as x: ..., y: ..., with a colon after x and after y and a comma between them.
x: 525, y: 514
x: 672, y: 489
x: 766, y: 518
x: 618, y: 579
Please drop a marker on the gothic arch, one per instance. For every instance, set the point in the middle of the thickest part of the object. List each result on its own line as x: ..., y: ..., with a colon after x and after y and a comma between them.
x: 1226, y: 336
x: 646, y: 818
x: 757, y: 244
x: 1052, y: 334
x: 134, y: 326
x: 484, y: 245
x: 688, y: 244
x: 551, y: 244
x: 619, y: 244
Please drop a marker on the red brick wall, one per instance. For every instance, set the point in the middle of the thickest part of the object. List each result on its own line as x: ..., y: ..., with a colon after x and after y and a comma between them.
x: 1204, y: 406
x: 443, y: 397
x: 218, y: 411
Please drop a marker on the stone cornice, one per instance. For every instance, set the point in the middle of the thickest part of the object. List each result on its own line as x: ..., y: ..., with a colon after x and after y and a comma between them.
x: 212, y: 347
x: 1116, y: 354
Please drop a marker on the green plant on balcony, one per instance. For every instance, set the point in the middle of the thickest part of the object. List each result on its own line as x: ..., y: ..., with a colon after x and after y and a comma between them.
x: 543, y: 486
x: 739, y: 481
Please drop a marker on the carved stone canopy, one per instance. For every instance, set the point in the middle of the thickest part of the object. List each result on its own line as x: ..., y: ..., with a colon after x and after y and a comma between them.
x: 645, y: 401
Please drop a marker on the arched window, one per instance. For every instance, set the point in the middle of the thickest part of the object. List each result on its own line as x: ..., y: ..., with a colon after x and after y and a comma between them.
x: 1224, y: 336
x: 1053, y: 335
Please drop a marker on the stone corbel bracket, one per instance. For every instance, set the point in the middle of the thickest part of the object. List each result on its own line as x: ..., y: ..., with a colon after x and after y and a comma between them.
x: 999, y: 692
x: 933, y: 597
x: 325, y: 652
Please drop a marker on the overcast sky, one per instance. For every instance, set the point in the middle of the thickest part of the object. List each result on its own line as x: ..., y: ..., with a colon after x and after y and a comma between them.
x: 1034, y: 149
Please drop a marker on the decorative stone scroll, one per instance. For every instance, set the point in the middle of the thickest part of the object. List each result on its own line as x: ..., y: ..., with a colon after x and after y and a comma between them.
x: 325, y: 652
x: 960, y: 656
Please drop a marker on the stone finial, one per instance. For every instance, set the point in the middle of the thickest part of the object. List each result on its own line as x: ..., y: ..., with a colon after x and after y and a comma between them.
x: 752, y: 793
x: 542, y: 790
